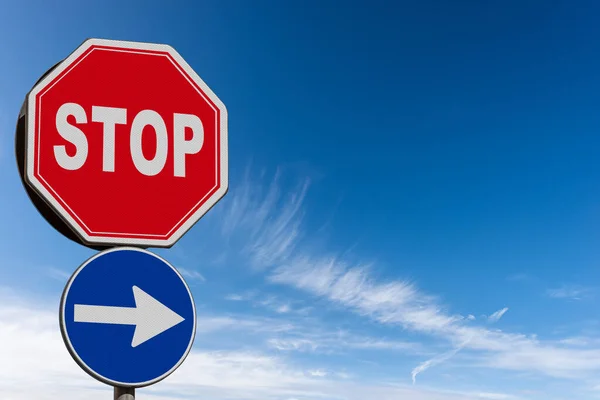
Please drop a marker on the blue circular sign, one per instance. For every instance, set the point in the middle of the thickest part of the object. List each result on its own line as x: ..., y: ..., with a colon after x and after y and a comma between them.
x: 127, y: 317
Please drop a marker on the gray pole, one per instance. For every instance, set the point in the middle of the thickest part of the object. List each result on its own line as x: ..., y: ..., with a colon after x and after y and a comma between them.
x: 124, y: 393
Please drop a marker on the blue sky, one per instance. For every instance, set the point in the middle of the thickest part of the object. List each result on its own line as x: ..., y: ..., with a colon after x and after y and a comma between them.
x: 413, y: 208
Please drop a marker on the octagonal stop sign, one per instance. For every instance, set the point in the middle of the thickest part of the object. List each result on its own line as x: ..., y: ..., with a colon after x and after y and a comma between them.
x: 124, y: 143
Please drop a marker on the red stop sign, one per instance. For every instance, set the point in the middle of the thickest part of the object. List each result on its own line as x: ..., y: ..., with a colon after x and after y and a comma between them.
x: 126, y: 143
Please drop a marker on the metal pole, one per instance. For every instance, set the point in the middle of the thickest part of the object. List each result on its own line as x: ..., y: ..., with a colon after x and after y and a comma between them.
x: 124, y: 393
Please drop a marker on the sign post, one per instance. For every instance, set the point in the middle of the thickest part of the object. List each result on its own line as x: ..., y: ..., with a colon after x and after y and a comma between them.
x: 122, y: 146
x: 122, y: 393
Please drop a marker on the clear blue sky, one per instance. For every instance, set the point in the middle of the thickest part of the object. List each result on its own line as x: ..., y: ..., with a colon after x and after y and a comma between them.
x: 449, y: 152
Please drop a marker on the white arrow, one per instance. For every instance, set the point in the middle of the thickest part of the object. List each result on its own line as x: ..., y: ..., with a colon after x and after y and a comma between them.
x: 149, y: 316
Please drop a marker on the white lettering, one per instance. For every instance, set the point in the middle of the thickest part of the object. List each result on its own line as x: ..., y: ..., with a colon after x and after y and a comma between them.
x: 71, y: 134
x: 181, y: 147
x: 109, y: 117
x: 155, y: 165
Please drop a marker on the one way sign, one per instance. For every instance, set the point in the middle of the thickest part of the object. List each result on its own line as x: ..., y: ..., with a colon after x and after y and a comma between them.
x: 127, y: 317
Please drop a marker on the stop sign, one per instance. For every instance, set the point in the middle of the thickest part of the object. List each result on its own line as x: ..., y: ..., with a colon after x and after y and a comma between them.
x: 126, y: 144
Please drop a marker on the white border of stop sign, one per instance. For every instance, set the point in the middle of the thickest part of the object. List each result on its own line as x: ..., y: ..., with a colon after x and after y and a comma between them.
x: 100, y: 238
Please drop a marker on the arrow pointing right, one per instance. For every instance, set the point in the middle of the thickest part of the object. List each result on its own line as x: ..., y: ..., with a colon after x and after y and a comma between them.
x: 150, y: 316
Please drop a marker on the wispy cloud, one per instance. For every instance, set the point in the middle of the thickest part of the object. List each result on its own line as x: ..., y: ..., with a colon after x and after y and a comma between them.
x: 401, y: 303
x: 581, y: 341
x: 495, y: 317
x: 212, y: 323
x: 271, y: 218
x: 318, y: 372
x: 246, y: 296
x: 270, y: 302
x: 382, y: 344
x: 283, y: 308
x: 234, y: 297
x: 571, y: 292
x: 58, y: 274
x: 435, y: 361
x: 276, y: 305
x: 392, y: 302
x: 293, y: 344
x: 276, y: 222
x: 335, y: 342
x: 35, y: 364
x: 191, y: 274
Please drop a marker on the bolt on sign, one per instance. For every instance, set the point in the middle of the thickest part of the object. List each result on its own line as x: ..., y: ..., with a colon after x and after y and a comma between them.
x: 122, y: 143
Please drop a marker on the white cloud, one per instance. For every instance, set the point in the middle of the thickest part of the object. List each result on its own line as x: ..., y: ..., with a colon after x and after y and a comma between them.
x: 380, y: 344
x: 234, y: 297
x: 435, y: 361
x: 277, y: 219
x: 249, y: 295
x: 283, y: 308
x: 495, y: 317
x: 495, y: 396
x: 272, y: 235
x: 392, y: 302
x: 274, y: 304
x: 36, y: 365
x: 318, y: 372
x: 581, y: 341
x: 210, y: 323
x: 300, y: 335
x: 297, y: 344
x: 400, y: 303
x: 191, y: 274
x: 308, y: 338
x: 58, y: 274
x: 572, y: 292
x: 333, y: 344
x: 269, y: 302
